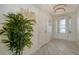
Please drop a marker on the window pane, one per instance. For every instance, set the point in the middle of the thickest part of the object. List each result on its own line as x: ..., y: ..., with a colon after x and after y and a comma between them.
x: 62, y: 26
x: 62, y: 31
x: 62, y: 21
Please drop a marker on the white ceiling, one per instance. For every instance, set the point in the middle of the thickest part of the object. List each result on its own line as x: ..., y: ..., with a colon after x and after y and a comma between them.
x: 49, y: 8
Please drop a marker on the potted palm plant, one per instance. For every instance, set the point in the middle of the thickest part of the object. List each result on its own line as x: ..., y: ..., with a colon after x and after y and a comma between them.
x: 18, y: 30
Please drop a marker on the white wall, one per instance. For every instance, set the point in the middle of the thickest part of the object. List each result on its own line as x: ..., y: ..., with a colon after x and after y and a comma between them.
x: 41, y: 34
x: 77, y: 26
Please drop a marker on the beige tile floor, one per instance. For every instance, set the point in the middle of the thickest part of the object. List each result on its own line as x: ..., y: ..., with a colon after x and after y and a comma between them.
x: 59, y: 47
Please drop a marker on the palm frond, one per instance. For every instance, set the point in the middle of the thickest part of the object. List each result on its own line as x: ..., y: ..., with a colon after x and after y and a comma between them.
x: 18, y: 31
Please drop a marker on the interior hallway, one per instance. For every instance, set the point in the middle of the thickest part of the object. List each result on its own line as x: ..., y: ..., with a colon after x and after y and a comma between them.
x: 59, y: 47
x: 59, y: 21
